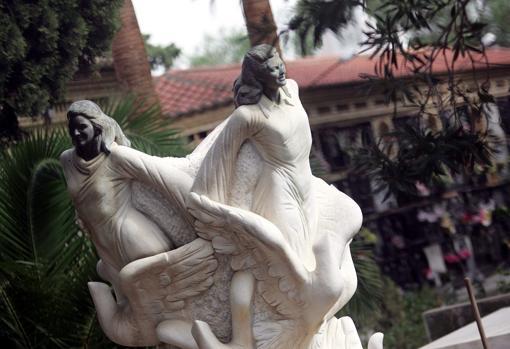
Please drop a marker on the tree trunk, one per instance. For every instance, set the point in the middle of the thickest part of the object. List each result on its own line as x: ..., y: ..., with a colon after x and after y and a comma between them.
x: 130, y: 58
x: 260, y: 23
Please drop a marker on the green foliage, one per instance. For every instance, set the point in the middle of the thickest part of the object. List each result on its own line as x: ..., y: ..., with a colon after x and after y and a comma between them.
x: 367, y: 299
x: 312, y: 18
x: 161, y: 56
x: 497, y: 13
x: 438, y: 31
x: 45, y: 261
x: 401, y: 317
x: 43, y: 256
x: 422, y: 156
x: 42, y: 45
x: 229, y: 47
x: 145, y: 127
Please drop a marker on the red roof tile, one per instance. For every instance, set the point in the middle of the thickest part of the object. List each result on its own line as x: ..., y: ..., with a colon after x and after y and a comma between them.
x: 186, y: 91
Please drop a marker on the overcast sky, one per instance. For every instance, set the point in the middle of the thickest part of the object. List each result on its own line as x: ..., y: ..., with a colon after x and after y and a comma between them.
x: 185, y: 22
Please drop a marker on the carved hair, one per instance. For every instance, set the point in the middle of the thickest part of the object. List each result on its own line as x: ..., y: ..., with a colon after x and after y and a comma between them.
x: 247, y: 89
x: 110, y: 129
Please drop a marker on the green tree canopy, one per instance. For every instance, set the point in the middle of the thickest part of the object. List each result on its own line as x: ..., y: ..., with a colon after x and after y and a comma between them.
x: 42, y: 45
x: 497, y: 13
x: 228, y: 47
x: 161, y: 56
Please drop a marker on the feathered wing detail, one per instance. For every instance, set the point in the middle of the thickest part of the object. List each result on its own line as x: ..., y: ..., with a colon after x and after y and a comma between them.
x: 275, y: 334
x: 258, y: 246
x: 158, y: 286
x: 255, y: 243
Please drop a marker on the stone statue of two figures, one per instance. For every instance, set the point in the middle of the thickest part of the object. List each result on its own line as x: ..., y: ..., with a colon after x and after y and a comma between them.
x: 236, y: 245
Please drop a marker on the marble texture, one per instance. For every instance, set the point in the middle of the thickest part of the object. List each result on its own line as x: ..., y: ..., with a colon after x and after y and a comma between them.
x: 237, y: 245
x: 298, y: 254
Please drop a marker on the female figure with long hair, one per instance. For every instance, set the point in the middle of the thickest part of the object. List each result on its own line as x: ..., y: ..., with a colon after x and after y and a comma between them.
x: 151, y: 274
x: 269, y: 114
x: 100, y: 171
x: 289, y: 229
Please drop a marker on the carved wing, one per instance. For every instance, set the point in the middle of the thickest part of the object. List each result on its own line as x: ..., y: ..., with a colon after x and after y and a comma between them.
x: 159, y: 285
x: 255, y: 244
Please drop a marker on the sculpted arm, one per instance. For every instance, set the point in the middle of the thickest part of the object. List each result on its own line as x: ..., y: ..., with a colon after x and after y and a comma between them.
x: 153, y: 171
x: 214, y: 177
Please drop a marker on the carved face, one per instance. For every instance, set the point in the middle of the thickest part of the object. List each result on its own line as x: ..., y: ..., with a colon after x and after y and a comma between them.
x: 81, y: 130
x: 274, y: 74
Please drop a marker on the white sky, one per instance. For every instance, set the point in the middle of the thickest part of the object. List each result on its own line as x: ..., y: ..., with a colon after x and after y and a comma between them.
x: 185, y: 22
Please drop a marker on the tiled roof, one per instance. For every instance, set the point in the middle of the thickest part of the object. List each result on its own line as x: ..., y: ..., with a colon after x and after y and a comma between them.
x: 186, y: 91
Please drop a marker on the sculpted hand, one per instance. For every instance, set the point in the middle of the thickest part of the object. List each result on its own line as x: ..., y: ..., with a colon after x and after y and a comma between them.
x: 206, y: 211
x: 352, y: 340
x: 156, y: 287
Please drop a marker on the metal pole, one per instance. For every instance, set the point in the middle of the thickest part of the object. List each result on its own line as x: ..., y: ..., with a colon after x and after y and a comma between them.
x: 476, y: 313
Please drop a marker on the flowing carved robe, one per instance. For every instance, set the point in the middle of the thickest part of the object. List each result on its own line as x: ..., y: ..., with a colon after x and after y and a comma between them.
x: 281, y: 134
x: 101, y: 190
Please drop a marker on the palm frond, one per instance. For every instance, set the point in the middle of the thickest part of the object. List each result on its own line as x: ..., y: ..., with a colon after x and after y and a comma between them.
x: 146, y: 127
x: 367, y: 299
x: 315, y: 17
x: 11, y: 320
x: 21, y: 165
x: 45, y: 261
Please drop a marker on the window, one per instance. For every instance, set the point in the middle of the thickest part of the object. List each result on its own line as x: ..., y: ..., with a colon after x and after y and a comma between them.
x: 359, y: 105
x: 500, y: 83
x: 337, y: 143
x: 410, y: 121
x: 461, y: 118
x: 359, y: 189
x: 324, y: 109
x: 202, y: 135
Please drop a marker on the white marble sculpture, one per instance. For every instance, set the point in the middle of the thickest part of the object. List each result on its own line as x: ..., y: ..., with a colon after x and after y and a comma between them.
x: 237, y: 245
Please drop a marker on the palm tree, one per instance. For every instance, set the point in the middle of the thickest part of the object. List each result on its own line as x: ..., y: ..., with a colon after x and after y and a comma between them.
x: 45, y: 261
x: 260, y: 23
